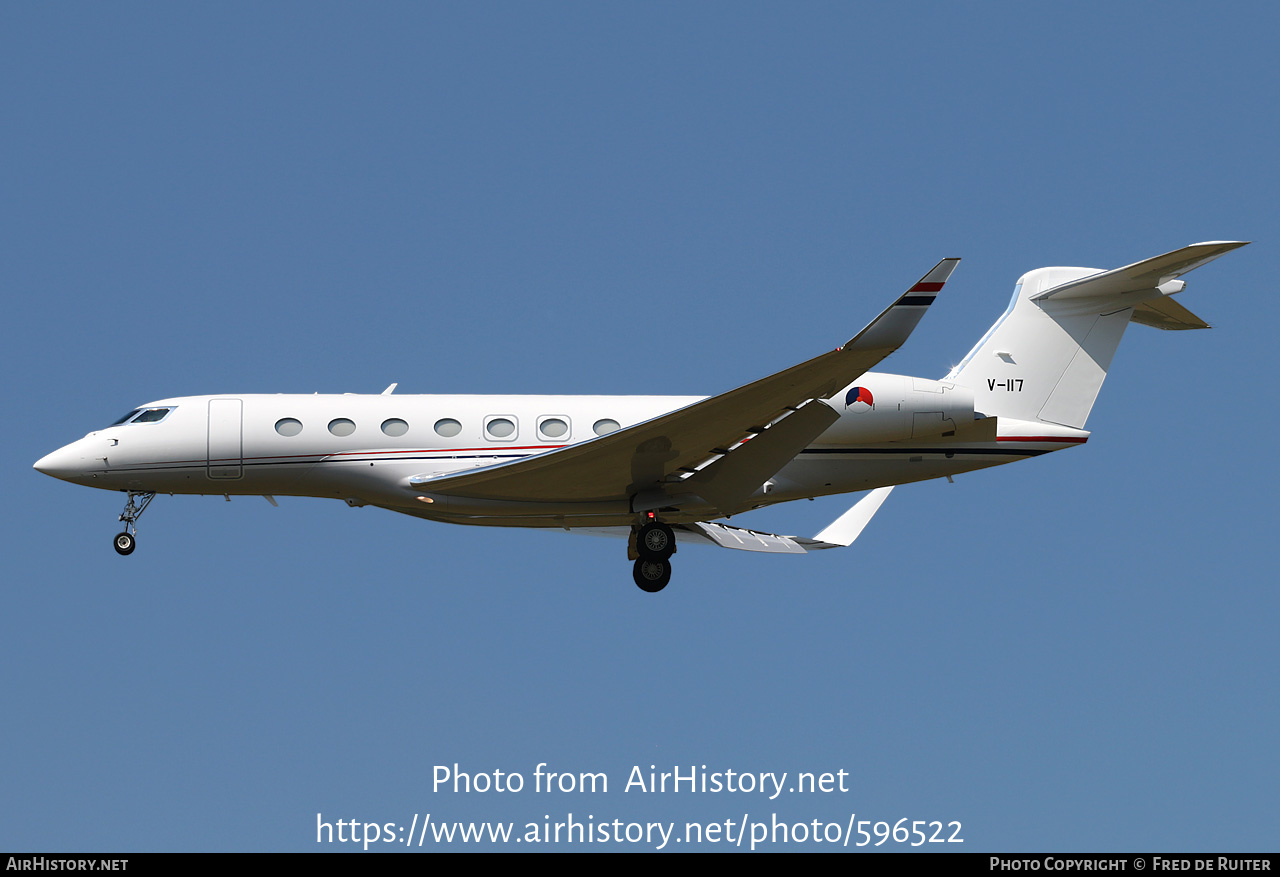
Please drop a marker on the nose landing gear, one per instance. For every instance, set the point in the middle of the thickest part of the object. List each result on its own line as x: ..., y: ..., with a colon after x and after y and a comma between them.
x: 125, y: 542
x: 655, y: 542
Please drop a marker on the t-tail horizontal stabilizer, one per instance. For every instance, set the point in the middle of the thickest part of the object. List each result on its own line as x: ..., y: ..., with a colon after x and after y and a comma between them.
x: 1154, y: 273
x: 1145, y: 286
x: 841, y: 534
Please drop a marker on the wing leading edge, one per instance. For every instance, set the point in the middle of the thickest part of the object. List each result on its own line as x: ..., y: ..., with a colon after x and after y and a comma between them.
x: 650, y: 463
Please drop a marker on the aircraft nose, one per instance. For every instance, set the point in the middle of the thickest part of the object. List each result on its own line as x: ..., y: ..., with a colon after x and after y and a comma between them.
x: 65, y: 463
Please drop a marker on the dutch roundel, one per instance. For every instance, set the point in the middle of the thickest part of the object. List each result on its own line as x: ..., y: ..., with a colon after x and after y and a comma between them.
x: 858, y: 399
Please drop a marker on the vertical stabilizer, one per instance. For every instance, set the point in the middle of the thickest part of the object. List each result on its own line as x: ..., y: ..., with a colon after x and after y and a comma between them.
x: 1046, y: 357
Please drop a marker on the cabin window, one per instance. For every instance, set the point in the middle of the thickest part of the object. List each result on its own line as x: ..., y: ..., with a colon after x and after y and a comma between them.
x: 503, y: 428
x: 605, y: 426
x: 288, y: 426
x: 553, y: 427
x: 341, y: 427
x: 395, y: 427
x: 448, y: 427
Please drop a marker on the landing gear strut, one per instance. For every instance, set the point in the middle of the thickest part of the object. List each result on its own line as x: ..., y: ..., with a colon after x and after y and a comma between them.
x: 128, y: 540
x: 655, y: 542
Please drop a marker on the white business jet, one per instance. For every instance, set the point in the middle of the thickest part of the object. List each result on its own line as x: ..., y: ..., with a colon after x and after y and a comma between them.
x: 665, y: 469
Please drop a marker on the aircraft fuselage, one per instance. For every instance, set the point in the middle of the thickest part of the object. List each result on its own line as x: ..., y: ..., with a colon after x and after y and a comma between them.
x: 365, y: 448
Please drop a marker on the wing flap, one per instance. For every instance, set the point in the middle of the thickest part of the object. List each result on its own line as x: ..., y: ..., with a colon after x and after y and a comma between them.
x: 747, y: 540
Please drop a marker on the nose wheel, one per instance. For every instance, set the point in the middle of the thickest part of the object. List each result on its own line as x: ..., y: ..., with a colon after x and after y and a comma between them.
x: 125, y: 542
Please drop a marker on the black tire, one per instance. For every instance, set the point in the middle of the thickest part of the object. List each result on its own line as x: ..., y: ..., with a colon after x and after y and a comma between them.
x: 655, y: 542
x: 125, y: 543
x: 651, y: 575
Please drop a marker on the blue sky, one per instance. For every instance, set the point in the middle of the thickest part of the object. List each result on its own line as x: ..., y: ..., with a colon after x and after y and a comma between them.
x: 1071, y: 653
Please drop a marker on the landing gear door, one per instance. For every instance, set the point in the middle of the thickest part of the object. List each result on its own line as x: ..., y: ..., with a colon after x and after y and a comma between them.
x: 225, y: 461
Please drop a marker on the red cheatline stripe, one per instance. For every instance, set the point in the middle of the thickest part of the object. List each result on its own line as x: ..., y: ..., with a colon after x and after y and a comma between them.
x: 926, y: 287
x: 323, y: 456
x: 1041, y: 438
x: 433, y: 451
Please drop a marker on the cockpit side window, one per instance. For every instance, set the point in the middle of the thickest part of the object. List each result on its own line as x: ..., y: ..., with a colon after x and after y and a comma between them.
x: 144, y: 415
x: 152, y: 415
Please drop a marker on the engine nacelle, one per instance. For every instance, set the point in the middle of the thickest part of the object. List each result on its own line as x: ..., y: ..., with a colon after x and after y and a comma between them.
x: 896, y: 408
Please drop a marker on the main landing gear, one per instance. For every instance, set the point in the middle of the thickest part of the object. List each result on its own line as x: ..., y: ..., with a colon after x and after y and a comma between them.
x: 653, y: 545
x: 128, y: 540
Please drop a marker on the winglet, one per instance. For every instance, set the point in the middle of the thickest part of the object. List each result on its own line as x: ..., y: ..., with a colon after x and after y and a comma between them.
x: 899, y: 320
x: 931, y: 284
x: 849, y: 526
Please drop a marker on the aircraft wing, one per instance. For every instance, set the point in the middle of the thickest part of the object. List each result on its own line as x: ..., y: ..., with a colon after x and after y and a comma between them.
x: 648, y: 462
x: 841, y: 534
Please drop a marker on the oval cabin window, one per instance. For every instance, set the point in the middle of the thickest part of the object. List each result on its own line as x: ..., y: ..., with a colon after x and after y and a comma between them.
x: 500, y: 427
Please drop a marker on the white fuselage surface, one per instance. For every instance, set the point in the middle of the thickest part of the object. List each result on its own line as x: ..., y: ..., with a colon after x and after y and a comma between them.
x: 365, y: 448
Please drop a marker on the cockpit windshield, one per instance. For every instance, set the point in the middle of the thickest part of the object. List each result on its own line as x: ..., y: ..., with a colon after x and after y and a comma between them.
x: 144, y: 415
